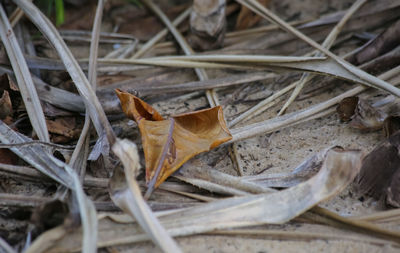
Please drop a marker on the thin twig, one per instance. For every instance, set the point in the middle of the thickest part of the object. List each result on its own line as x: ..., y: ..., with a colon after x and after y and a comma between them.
x: 261, y: 106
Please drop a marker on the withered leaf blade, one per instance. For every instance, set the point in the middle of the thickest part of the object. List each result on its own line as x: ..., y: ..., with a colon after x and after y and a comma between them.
x: 167, y: 144
x: 391, y: 125
x: 337, y: 171
x: 383, y: 43
x: 380, y: 167
x: 361, y: 114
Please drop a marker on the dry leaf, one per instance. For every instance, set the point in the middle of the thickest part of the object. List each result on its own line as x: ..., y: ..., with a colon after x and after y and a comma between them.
x: 382, y: 44
x: 9, y: 96
x: 247, y: 18
x: 63, y: 129
x: 169, y: 143
x: 5, y: 105
x: 380, y: 171
x: 360, y: 113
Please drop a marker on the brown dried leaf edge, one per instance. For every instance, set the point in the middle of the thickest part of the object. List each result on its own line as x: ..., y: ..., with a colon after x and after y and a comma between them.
x: 168, y: 143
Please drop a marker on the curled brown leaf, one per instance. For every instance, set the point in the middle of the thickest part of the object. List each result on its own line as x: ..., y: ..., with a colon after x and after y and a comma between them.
x: 168, y: 143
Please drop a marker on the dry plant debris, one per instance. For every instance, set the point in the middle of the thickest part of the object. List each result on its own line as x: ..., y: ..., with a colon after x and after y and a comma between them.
x: 79, y: 175
x: 167, y: 144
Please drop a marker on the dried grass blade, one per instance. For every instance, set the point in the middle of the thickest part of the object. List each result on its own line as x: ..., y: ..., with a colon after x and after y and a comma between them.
x: 35, y: 155
x: 55, y: 96
x: 394, y: 235
x: 328, y: 42
x: 318, y: 65
x: 90, y: 99
x: 302, y: 235
x: 262, y: 105
x: 295, y: 117
x: 223, y: 82
x: 79, y: 159
x: 130, y: 199
x: 40, y: 158
x: 205, y: 177
x: 47, y: 240
x: 211, y: 94
x: 367, y: 78
x: 24, y: 79
x: 16, y: 16
x: 379, y: 216
x: 159, y: 36
x: 88, y: 215
x: 273, y: 208
x: 5, y: 247
x: 338, y: 171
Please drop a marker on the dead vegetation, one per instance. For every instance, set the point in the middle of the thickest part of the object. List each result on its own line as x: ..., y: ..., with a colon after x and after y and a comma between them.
x: 224, y: 126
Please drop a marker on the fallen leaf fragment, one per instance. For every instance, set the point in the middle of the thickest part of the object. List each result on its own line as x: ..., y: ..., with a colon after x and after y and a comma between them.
x: 8, y: 99
x: 168, y: 143
x: 247, y: 18
x: 5, y: 105
x: 361, y: 114
x: 63, y: 129
x: 380, y: 171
